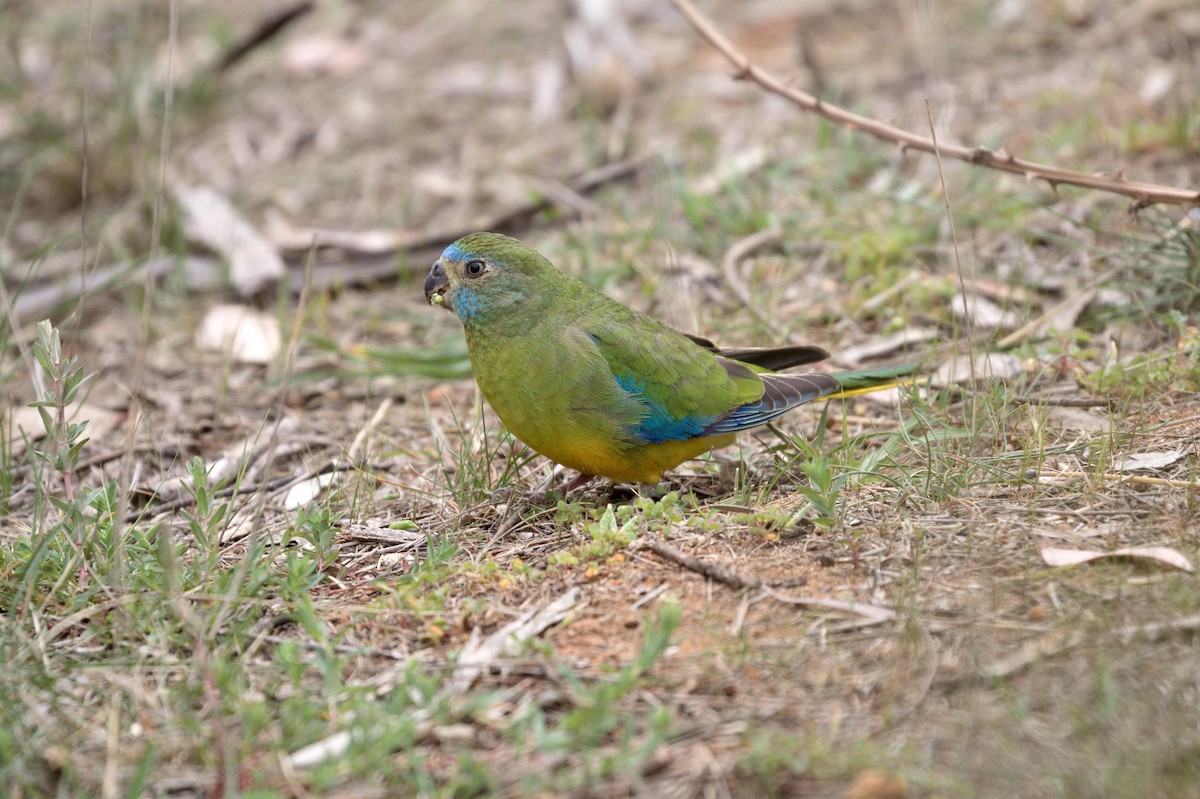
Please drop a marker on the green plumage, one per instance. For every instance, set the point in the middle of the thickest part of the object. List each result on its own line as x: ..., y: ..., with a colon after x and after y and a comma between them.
x: 595, y: 385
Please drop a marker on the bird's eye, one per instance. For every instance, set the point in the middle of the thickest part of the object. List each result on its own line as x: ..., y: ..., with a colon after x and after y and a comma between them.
x: 475, y: 268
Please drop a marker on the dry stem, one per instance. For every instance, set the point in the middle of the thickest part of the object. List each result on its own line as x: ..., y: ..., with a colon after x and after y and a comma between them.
x: 1145, y: 194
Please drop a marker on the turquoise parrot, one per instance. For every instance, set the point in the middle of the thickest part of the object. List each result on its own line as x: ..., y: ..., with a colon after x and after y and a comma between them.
x: 600, y: 387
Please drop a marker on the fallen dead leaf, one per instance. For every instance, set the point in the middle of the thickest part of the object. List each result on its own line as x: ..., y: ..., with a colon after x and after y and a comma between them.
x: 249, y: 336
x: 306, y: 491
x: 1081, y: 419
x: 1149, y: 461
x: 479, y: 652
x: 1054, y: 556
x: 874, y: 784
x: 323, y: 53
x: 885, y: 345
x: 987, y: 366
x: 982, y: 312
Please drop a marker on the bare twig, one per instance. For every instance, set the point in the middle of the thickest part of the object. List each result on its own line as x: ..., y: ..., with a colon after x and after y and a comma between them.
x: 352, y: 267
x: 356, y: 268
x: 650, y: 596
x: 1145, y: 194
x: 1110, y: 477
x: 714, y: 571
x: 265, y: 31
x: 734, y: 256
x: 273, y: 484
x: 728, y: 577
x: 1068, y: 402
x: 875, y: 613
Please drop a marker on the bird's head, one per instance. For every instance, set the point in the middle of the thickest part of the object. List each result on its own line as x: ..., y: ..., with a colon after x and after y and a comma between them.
x: 485, y: 276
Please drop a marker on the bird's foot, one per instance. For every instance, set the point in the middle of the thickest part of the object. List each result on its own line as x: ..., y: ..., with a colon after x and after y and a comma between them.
x: 579, y: 482
x: 548, y: 491
x: 622, y: 493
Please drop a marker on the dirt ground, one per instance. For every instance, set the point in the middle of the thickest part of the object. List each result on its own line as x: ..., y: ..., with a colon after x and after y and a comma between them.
x: 918, y: 645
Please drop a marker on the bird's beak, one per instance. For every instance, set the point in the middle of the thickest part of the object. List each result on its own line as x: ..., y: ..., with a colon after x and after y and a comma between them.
x: 437, y: 284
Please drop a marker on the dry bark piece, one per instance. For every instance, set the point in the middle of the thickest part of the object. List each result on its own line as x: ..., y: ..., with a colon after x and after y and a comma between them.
x: 880, y: 346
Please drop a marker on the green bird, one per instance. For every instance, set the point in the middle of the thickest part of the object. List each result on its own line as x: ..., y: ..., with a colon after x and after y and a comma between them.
x: 602, y: 388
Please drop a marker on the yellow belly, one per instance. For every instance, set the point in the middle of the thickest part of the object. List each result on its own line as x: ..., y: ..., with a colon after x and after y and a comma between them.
x: 591, y: 454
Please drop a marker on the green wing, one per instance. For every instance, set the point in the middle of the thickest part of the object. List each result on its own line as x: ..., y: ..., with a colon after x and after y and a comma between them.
x: 682, y: 387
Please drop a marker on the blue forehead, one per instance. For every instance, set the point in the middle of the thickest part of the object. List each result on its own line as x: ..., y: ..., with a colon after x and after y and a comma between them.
x: 454, y: 253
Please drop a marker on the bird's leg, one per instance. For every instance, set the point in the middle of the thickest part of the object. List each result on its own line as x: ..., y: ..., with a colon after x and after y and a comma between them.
x: 544, y: 487
x: 581, y: 480
x: 654, y: 491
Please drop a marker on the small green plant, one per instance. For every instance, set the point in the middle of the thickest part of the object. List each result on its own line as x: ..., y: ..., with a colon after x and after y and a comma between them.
x: 605, y: 537
x: 825, y: 479
x: 1153, y: 373
x: 206, y: 519
x: 319, y: 528
x: 65, y: 438
x: 822, y: 491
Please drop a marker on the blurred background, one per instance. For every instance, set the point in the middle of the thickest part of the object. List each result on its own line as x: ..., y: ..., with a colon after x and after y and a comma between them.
x: 379, y: 124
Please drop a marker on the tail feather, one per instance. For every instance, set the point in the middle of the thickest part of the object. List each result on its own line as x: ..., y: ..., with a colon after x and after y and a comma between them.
x: 864, y: 381
x: 782, y: 392
x: 776, y: 358
x: 771, y: 358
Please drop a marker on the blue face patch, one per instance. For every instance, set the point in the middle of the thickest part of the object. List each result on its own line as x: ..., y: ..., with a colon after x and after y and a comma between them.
x: 453, y: 253
x: 466, y: 303
x: 659, y: 425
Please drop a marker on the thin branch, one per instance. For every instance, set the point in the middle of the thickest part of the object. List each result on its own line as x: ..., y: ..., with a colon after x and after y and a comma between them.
x: 264, y: 32
x: 1112, y: 477
x: 728, y: 577
x: 1068, y: 402
x: 349, y: 267
x: 714, y: 571
x: 1145, y: 194
x: 741, y: 250
x: 355, y: 267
